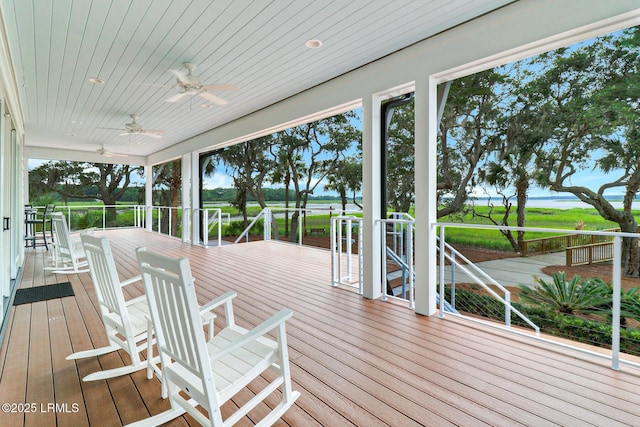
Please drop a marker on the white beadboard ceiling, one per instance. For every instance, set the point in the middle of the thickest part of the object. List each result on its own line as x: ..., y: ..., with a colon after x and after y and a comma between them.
x: 257, y: 45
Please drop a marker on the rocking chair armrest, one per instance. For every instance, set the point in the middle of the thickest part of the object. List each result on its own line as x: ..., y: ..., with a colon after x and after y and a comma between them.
x: 130, y: 280
x: 255, y: 333
x: 217, y: 302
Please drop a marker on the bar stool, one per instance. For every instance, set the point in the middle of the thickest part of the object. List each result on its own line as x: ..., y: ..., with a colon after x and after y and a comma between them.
x: 33, y: 222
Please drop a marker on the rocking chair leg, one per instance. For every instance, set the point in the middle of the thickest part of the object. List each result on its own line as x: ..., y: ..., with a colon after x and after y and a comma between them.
x: 116, y: 372
x: 92, y: 353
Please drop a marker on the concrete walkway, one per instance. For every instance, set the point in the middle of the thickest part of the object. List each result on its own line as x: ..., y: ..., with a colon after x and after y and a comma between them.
x: 510, y: 271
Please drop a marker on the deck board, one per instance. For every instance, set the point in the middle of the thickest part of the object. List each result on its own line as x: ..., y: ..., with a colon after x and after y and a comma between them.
x: 356, y: 361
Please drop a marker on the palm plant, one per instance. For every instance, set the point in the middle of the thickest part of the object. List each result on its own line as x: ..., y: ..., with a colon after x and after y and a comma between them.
x: 567, y: 296
x: 630, y: 304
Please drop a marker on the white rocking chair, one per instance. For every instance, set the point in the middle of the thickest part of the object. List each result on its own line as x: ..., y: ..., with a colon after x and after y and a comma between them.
x: 209, y: 373
x: 67, y: 255
x: 126, y: 323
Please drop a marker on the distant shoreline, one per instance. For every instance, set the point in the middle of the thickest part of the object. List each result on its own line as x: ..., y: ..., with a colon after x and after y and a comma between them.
x: 559, y: 202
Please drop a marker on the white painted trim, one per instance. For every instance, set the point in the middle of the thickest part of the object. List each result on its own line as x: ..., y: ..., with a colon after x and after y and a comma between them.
x: 8, y: 82
x: 555, y: 41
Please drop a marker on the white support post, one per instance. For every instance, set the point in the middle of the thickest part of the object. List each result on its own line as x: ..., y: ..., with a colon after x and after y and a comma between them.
x: 372, y: 193
x: 148, y: 197
x: 426, y: 132
x: 185, y: 170
x: 195, y: 199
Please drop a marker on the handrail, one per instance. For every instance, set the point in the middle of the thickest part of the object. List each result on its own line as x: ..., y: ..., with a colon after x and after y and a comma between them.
x: 216, y: 218
x: 409, y: 253
x: 506, y: 300
x: 266, y: 213
x: 336, y: 233
x: 448, y: 307
x: 300, y: 211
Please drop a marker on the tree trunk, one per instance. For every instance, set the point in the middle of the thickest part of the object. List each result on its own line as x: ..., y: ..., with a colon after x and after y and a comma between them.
x: 522, y: 188
x: 630, y: 256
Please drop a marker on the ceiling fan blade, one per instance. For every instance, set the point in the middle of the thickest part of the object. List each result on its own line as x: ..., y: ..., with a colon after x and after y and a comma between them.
x: 152, y: 133
x: 179, y: 75
x: 213, y: 98
x: 227, y: 87
x: 176, y: 97
x: 108, y: 128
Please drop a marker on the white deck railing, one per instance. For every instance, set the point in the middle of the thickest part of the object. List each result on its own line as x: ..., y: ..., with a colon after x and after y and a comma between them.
x: 616, y: 281
x: 342, y: 236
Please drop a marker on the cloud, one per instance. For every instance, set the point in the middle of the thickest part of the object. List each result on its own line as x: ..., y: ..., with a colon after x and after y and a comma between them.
x: 218, y: 180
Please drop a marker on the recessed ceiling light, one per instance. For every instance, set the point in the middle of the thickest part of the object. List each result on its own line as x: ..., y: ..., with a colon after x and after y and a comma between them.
x: 96, y: 81
x: 71, y: 134
x: 76, y: 122
x: 206, y: 105
x: 313, y: 43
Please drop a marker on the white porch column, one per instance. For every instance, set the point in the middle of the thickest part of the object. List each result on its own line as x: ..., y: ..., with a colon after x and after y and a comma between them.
x: 148, y: 196
x: 371, y: 196
x: 425, y: 195
x: 195, y: 197
x: 185, y: 179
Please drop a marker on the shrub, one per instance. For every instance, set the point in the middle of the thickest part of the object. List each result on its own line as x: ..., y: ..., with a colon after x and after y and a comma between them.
x: 568, y: 296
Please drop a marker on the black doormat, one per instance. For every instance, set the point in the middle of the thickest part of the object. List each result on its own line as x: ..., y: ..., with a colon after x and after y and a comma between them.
x: 43, y: 293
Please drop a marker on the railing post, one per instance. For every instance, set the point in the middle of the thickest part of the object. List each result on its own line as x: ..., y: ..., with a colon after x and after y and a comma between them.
x: 205, y: 235
x: 383, y: 246
x: 453, y: 280
x: 334, y: 251
x: 266, y: 225
x: 300, y: 231
x: 409, y: 252
x: 104, y: 216
x: 442, y: 249
x: 195, y: 227
x: 615, y: 311
x: 507, y: 309
x: 348, y: 248
x: 339, y: 252
x: 360, y: 257
x: 219, y: 211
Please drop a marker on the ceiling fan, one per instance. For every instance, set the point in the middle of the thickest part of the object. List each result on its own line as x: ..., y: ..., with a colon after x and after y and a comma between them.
x: 104, y: 152
x: 192, y: 85
x: 133, y: 128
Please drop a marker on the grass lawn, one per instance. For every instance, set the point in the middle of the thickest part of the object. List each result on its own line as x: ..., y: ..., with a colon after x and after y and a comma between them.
x: 569, y: 219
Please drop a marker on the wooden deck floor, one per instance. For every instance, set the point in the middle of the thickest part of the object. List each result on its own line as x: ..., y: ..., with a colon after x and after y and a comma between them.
x: 355, y: 361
